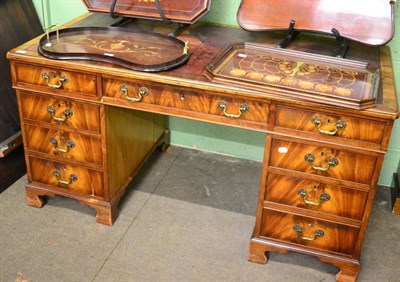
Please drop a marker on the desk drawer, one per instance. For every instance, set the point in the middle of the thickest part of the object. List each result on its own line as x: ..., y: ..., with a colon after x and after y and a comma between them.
x: 187, y: 99
x: 322, y: 161
x: 312, y: 195
x: 59, y: 111
x: 76, y: 179
x: 329, y: 124
x: 317, y: 234
x: 65, y: 144
x: 56, y: 81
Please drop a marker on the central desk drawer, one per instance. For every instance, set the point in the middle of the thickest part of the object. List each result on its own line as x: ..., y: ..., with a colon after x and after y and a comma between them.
x: 219, y: 107
x: 74, y: 179
x: 60, y: 111
x: 322, y: 161
x: 56, y: 81
x: 65, y: 144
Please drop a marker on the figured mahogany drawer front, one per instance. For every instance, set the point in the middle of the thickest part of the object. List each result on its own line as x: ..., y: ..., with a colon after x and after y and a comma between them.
x: 59, y: 111
x: 72, y: 178
x: 131, y: 93
x: 65, y: 144
x: 57, y: 81
x: 323, y: 161
x: 312, y: 195
x: 186, y: 99
x: 326, y: 124
x: 309, y: 232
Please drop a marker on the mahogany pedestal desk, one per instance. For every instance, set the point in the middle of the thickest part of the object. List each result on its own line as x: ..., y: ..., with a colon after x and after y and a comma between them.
x: 85, y: 140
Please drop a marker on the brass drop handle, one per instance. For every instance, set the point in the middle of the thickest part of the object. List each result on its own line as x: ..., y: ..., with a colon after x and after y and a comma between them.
x: 244, y: 108
x: 323, y: 198
x: 299, y: 230
x: 69, y: 144
x: 71, y: 178
x: 143, y: 91
x: 340, y: 125
x: 67, y: 114
x: 62, y: 80
x: 331, y: 163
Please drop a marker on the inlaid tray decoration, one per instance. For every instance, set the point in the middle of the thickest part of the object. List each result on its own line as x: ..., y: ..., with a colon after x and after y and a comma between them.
x: 182, y: 11
x: 298, y: 75
x: 142, y: 51
x: 367, y: 21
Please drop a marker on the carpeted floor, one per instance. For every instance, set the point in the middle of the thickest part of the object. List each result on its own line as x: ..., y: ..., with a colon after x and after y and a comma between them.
x: 188, y: 216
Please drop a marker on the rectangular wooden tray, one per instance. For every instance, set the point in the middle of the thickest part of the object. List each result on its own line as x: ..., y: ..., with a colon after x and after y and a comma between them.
x: 297, y: 75
x: 182, y: 11
x: 367, y: 21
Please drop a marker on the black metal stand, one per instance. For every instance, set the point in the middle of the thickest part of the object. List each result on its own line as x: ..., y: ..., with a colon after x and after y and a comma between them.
x: 343, y: 43
x: 181, y: 27
x: 292, y: 34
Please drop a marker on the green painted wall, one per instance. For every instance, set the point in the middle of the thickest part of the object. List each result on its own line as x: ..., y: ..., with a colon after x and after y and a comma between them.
x: 222, y: 139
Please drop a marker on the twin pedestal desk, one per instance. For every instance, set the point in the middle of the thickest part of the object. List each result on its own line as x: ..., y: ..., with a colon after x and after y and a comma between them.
x: 88, y: 127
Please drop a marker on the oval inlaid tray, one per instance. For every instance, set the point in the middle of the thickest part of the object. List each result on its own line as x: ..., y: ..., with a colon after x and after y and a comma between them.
x: 142, y: 51
x: 367, y: 21
x: 183, y: 11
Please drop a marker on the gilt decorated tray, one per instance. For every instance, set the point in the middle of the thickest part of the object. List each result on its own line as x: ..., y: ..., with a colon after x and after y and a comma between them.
x: 140, y: 51
x: 182, y: 11
x: 298, y: 75
x: 367, y: 21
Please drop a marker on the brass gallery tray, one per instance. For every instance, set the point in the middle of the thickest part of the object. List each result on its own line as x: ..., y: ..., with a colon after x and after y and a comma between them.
x: 182, y: 11
x: 367, y: 21
x: 297, y: 75
x: 144, y: 51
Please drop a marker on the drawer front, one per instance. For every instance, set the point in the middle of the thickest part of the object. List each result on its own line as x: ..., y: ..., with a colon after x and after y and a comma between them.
x: 323, y: 161
x: 309, y: 232
x: 56, y: 81
x: 72, y: 178
x: 143, y: 92
x: 186, y: 99
x: 65, y: 144
x: 326, y: 124
x: 60, y: 111
x: 312, y: 195
x: 228, y: 107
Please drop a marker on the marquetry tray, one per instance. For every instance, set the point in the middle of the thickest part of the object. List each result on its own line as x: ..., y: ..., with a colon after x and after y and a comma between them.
x: 142, y: 51
x: 297, y: 75
x: 182, y: 11
x: 367, y: 21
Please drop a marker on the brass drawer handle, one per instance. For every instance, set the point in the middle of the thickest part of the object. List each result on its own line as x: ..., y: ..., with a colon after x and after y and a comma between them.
x: 323, y: 198
x: 71, y: 178
x: 67, y: 114
x: 143, y: 91
x: 244, y: 108
x: 62, y: 80
x: 331, y: 163
x: 340, y: 125
x: 299, y: 230
x: 69, y: 146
